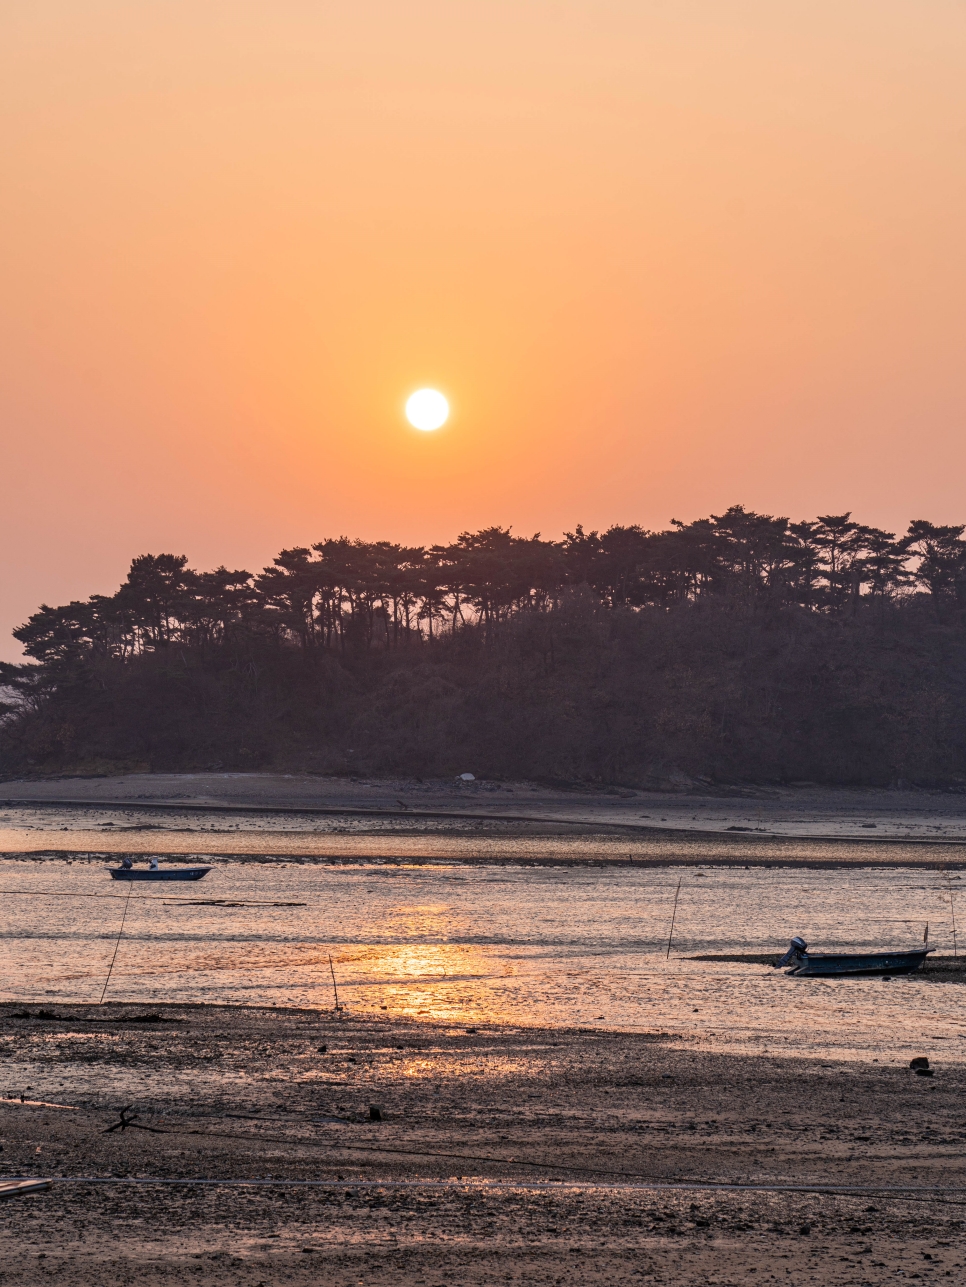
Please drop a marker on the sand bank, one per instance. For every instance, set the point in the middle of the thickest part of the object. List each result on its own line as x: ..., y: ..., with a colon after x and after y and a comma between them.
x: 338, y: 818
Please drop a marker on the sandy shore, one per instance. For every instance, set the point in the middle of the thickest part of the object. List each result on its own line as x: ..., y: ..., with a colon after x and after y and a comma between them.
x: 269, y: 817
x: 805, y: 811
x: 509, y: 1120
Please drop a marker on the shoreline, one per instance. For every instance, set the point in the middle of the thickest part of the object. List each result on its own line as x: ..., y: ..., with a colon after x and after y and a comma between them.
x: 154, y: 847
x: 742, y: 834
x: 804, y: 812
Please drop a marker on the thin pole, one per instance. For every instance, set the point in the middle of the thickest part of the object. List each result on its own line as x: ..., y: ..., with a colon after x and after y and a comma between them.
x: 127, y: 904
x: 334, y: 987
x: 673, y: 915
x: 952, y: 909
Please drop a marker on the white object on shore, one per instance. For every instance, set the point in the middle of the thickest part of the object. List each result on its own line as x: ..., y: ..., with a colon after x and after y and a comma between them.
x: 467, y: 777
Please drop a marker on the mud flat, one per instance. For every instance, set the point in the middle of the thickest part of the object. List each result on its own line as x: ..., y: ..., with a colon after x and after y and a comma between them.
x: 502, y: 1155
x: 270, y: 816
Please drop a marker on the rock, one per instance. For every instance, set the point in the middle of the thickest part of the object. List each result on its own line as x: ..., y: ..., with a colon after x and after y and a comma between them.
x: 375, y: 1113
x: 920, y: 1061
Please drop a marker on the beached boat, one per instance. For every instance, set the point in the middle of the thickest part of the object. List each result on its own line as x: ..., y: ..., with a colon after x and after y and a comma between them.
x: 804, y: 962
x: 156, y: 873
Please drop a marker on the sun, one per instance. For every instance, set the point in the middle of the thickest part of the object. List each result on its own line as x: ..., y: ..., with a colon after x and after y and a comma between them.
x: 427, y: 409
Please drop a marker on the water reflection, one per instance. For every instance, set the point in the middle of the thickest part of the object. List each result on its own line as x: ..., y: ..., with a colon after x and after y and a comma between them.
x: 558, y: 946
x: 398, y: 838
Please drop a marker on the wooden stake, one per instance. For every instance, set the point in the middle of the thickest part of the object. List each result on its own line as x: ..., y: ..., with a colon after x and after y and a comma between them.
x: 334, y: 987
x: 673, y: 915
x: 952, y: 911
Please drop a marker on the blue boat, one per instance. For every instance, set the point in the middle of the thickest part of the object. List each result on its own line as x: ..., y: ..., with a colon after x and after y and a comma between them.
x: 129, y: 872
x: 811, y: 964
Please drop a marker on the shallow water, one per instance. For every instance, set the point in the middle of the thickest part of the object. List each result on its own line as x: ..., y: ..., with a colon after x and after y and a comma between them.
x: 552, y: 945
x: 196, y: 834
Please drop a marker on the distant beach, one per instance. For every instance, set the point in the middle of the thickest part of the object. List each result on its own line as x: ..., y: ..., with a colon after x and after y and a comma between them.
x: 278, y: 815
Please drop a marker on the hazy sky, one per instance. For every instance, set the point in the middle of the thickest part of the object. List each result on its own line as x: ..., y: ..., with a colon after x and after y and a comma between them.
x: 663, y: 256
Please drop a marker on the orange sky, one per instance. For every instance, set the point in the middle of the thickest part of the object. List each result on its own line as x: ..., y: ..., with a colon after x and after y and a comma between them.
x: 663, y: 256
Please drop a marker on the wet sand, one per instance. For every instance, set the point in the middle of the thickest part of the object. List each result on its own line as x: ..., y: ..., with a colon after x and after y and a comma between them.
x: 508, y: 1119
x: 210, y: 843
x: 803, y: 811
x: 266, y: 817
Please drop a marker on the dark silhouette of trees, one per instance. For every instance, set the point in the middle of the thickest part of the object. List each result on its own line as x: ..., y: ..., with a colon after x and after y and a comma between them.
x: 941, y: 552
x: 347, y: 637
x: 343, y: 595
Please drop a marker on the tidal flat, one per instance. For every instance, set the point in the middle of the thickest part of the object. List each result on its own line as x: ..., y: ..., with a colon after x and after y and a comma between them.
x: 338, y: 815
x: 546, y: 1061
x: 502, y: 1154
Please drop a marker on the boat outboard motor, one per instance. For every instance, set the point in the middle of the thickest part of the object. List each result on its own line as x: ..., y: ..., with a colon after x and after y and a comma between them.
x: 795, y: 952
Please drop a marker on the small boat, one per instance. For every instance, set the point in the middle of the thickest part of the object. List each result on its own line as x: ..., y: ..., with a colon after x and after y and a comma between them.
x: 805, y: 963
x: 154, y: 872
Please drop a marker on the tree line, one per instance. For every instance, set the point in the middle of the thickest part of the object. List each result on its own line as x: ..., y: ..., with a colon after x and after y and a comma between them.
x: 740, y: 647
x: 342, y: 595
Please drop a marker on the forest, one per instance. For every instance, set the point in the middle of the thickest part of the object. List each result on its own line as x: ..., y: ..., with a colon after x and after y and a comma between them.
x: 738, y: 648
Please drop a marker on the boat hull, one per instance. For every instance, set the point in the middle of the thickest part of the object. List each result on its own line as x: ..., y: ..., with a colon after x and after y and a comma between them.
x: 860, y: 963
x: 171, y: 873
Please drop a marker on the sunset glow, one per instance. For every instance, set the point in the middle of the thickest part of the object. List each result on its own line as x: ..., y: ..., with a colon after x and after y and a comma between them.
x: 671, y: 257
x: 481, y: 488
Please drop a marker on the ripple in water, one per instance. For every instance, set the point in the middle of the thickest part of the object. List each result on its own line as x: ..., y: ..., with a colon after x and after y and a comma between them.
x: 559, y: 946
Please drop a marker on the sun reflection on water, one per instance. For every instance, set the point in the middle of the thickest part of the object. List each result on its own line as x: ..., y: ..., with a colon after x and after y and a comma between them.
x: 553, y: 946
